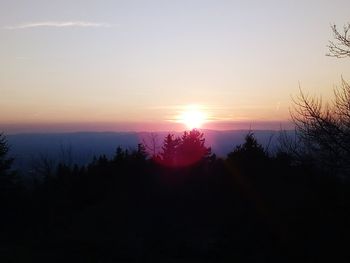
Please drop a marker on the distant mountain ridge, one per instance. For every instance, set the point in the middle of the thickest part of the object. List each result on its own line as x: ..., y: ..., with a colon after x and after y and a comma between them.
x: 81, y: 147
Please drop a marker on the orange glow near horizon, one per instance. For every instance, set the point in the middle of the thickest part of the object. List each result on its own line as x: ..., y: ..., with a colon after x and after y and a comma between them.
x: 128, y: 67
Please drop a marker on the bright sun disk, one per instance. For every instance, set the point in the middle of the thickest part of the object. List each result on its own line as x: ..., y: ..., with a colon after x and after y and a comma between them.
x: 192, y: 118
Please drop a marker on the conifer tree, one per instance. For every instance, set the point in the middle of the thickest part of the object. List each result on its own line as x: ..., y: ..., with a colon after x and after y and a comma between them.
x: 192, y: 148
x: 6, y: 176
x: 169, y: 150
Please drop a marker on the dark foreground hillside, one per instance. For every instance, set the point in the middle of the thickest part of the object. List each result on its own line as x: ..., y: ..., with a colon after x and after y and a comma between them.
x: 248, y: 207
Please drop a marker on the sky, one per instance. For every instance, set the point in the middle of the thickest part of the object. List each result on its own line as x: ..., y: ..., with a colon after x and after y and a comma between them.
x: 137, y: 65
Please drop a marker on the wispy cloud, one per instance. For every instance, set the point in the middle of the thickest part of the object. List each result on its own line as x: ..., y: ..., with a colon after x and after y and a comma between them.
x: 58, y: 24
x: 22, y: 58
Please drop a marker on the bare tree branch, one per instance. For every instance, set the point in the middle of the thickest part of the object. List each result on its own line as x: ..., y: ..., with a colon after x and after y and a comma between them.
x: 340, y: 48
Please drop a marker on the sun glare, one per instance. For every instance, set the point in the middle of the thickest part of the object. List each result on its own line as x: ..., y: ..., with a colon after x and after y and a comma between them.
x: 193, y: 118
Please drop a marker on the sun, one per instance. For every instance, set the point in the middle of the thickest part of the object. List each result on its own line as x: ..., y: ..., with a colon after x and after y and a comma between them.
x: 192, y: 117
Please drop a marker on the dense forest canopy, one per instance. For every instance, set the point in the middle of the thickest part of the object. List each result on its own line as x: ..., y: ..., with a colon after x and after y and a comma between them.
x: 183, y: 204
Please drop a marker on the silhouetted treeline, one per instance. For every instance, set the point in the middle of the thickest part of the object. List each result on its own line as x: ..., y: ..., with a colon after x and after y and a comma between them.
x: 182, y: 205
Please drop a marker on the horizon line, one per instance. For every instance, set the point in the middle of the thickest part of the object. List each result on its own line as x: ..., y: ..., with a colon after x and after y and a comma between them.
x: 137, y: 127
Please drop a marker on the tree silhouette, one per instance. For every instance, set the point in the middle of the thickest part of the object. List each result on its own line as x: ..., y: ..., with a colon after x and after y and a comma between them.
x: 192, y: 148
x: 186, y: 150
x: 6, y: 175
x: 5, y: 162
x: 340, y: 48
x: 249, y: 152
x: 169, y: 150
x: 151, y: 145
x: 141, y: 153
x: 325, y: 128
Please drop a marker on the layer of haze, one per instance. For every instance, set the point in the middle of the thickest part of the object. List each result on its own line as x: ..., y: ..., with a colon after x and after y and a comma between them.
x: 133, y: 65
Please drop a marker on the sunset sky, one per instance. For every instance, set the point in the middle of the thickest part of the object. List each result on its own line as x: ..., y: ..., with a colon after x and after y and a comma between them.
x: 138, y: 65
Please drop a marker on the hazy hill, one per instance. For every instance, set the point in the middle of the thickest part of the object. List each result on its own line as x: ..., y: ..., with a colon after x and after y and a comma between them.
x: 81, y: 147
